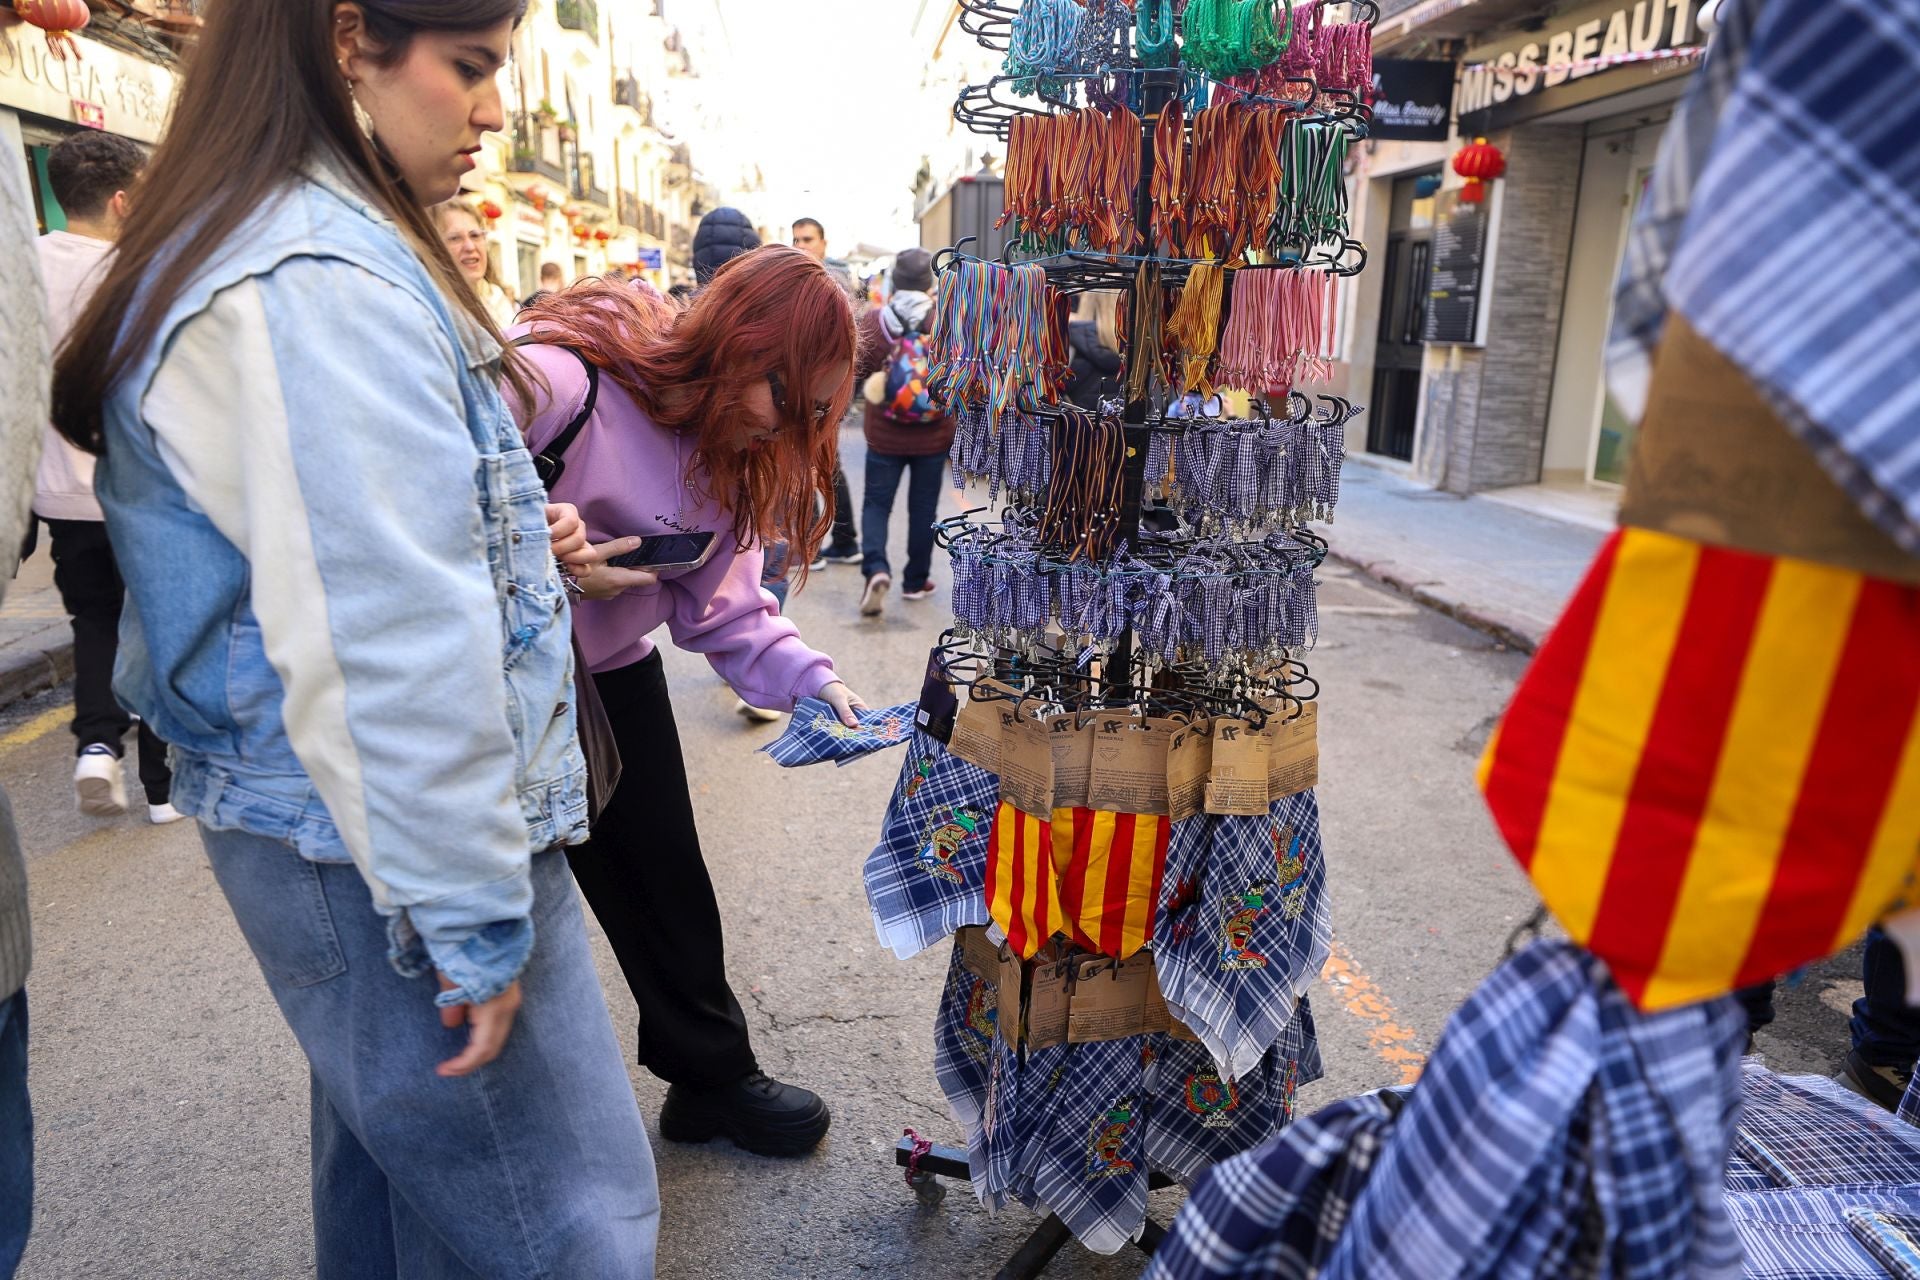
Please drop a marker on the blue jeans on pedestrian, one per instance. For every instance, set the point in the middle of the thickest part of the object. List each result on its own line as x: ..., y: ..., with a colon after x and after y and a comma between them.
x: 925, y: 476
x: 16, y: 1135
x: 776, y: 573
x: 537, y: 1164
x: 1886, y: 1029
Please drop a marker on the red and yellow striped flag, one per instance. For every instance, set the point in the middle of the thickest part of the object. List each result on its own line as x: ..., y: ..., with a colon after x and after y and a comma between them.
x: 1022, y: 896
x: 1711, y: 771
x: 1110, y: 866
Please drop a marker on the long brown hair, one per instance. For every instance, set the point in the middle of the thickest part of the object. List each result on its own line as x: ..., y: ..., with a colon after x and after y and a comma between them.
x: 771, y: 310
x: 261, y: 95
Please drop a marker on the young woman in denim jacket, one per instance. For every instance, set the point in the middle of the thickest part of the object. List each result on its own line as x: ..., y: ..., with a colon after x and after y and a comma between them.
x: 344, y: 616
x: 719, y: 419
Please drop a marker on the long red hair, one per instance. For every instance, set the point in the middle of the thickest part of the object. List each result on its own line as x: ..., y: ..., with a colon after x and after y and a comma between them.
x: 772, y: 310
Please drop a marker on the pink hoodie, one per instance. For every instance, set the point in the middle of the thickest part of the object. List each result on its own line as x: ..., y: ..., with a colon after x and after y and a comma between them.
x: 629, y: 476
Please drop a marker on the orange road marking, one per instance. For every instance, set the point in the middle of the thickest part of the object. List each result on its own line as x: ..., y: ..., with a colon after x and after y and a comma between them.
x: 1364, y: 1000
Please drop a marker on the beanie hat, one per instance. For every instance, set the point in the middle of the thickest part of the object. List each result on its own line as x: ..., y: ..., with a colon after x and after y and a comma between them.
x: 913, y: 271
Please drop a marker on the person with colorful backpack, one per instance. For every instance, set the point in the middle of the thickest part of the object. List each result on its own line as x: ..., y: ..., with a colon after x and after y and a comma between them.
x: 906, y: 434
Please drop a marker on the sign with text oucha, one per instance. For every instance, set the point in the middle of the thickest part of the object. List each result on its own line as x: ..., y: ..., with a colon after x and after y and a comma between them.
x: 1412, y: 101
x: 1591, y: 51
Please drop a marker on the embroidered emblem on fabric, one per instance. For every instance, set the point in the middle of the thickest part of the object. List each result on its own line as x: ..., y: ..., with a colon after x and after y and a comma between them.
x: 1238, y: 912
x: 920, y: 774
x: 1290, y: 856
x: 887, y: 730
x: 982, y: 1014
x: 1107, y: 1138
x: 947, y: 830
x: 1287, y: 1089
x: 1212, y: 1099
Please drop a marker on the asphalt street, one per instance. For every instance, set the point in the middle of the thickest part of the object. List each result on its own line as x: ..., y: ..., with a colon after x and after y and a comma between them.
x: 171, y: 1101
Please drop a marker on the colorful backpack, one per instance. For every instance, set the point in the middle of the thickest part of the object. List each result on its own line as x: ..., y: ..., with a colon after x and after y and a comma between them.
x: 906, y: 399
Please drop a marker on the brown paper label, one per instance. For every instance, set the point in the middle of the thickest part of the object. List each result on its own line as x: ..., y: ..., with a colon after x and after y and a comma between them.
x: 1048, y: 1005
x: 978, y: 730
x: 1157, y: 1016
x: 1130, y: 765
x: 1189, y: 757
x: 1110, y: 999
x: 1293, y: 764
x: 1007, y: 988
x: 1026, y: 766
x: 977, y: 955
x: 1071, y: 739
x: 1714, y: 462
x: 1237, y: 782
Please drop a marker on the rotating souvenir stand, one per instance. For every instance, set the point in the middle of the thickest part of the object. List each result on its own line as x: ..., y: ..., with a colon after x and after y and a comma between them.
x: 990, y: 109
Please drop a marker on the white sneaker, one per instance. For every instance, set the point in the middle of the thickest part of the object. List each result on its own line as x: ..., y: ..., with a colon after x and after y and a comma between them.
x: 874, y: 598
x: 760, y: 714
x: 98, y: 784
x: 161, y: 814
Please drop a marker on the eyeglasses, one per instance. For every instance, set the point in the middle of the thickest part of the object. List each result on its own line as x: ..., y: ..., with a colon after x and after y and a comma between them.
x: 821, y: 408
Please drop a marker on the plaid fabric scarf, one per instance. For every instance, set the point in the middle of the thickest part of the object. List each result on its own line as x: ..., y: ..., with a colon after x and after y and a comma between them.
x: 1255, y: 932
x: 815, y: 735
x: 927, y: 876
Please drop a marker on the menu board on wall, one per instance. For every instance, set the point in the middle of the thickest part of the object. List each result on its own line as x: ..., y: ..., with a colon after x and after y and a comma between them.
x: 1459, y: 251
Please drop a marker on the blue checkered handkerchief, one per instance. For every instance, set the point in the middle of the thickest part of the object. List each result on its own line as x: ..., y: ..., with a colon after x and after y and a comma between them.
x: 815, y: 735
x: 1558, y: 1131
x: 927, y: 876
x: 1093, y: 1170
x: 1828, y: 1233
x: 963, y: 1042
x: 1234, y: 963
x: 1197, y: 1118
x: 1275, y: 1212
x: 1808, y: 1131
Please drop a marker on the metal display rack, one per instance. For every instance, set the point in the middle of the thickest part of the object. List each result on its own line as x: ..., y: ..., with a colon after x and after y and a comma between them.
x: 989, y: 109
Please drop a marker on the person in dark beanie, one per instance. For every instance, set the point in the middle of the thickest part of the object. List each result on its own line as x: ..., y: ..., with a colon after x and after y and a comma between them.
x: 723, y: 234
x: 905, y: 435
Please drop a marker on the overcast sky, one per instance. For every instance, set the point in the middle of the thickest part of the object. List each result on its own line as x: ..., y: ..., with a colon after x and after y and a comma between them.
x: 808, y: 84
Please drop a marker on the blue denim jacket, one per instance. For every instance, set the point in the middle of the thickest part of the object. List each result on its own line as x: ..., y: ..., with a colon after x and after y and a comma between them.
x: 342, y: 610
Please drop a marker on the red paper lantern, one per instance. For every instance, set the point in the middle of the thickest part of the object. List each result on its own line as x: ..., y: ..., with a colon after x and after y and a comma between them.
x: 59, y: 19
x: 539, y: 198
x: 603, y: 235
x: 1479, y: 163
x: 490, y: 211
x: 581, y: 234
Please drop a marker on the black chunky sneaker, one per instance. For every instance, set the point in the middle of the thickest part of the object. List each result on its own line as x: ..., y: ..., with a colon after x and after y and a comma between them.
x: 757, y: 1112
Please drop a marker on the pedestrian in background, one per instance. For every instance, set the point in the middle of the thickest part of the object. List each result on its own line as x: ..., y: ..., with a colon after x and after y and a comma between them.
x: 723, y: 235
x: 465, y: 236
x: 1094, y: 347
x: 351, y: 631
x: 552, y: 280
x: 810, y: 238
x: 25, y: 358
x: 719, y: 420
x: 91, y: 174
x: 905, y: 436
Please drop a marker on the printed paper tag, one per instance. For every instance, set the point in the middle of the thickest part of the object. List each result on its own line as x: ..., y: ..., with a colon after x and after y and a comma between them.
x: 977, y: 955
x: 1026, y: 766
x: 1110, y: 999
x: 1130, y: 765
x: 1071, y: 739
x: 1189, y: 757
x: 939, y: 703
x: 1049, y: 1004
x: 977, y: 730
x: 1007, y: 988
x: 1294, y: 762
x: 1237, y: 782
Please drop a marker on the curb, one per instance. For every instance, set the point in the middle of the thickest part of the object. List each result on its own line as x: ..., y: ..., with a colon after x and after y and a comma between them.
x: 35, y: 672
x: 1507, y: 632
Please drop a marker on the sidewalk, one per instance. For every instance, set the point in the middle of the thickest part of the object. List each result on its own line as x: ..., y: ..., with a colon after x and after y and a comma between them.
x: 36, y: 644
x: 1488, y: 563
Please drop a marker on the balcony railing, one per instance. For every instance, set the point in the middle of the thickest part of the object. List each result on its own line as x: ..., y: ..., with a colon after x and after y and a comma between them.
x: 536, y: 149
x: 579, y: 15
x: 630, y: 211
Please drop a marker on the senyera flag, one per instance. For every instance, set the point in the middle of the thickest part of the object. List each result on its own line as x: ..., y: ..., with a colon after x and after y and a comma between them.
x: 1711, y: 771
x: 1110, y: 866
x: 1023, y: 897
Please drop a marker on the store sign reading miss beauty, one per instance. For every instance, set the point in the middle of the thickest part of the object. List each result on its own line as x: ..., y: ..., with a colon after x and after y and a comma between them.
x: 1589, y: 52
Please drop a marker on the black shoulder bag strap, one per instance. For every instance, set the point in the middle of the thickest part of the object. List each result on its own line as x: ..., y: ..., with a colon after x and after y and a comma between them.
x: 551, y: 462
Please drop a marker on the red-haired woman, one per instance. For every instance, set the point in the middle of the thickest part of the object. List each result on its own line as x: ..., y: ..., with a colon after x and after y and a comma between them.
x: 718, y: 418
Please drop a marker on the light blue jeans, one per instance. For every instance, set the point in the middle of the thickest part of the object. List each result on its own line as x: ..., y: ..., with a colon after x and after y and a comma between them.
x: 535, y: 1165
x: 16, y: 1133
